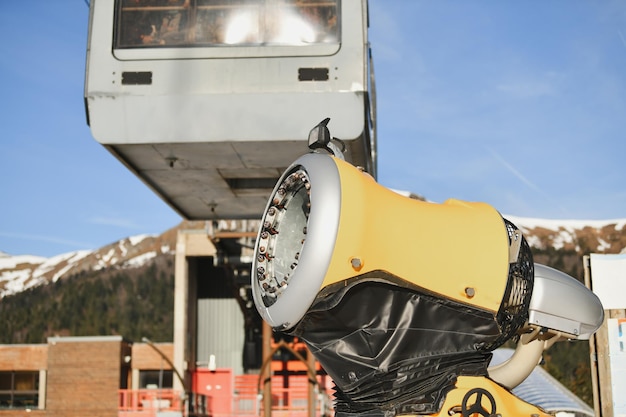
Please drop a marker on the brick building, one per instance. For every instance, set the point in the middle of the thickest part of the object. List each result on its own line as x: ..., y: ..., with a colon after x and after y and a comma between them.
x: 84, y: 376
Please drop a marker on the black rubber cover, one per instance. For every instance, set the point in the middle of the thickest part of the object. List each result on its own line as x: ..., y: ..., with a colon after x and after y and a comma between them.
x: 392, y: 349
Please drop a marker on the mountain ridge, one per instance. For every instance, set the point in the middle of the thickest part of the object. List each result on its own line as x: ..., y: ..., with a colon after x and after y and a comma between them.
x: 22, y: 272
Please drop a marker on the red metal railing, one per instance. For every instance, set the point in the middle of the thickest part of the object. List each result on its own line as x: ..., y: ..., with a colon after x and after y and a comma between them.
x: 289, y: 401
x: 148, y: 402
x: 245, y: 398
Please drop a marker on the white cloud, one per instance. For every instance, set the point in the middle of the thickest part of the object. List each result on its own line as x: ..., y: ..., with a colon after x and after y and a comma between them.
x: 526, y: 181
x: 114, y: 221
x: 526, y: 88
x: 621, y: 36
x: 49, y: 239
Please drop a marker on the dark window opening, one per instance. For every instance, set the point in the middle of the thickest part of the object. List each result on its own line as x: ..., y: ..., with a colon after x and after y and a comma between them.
x: 156, y: 379
x: 19, y: 389
x: 167, y: 23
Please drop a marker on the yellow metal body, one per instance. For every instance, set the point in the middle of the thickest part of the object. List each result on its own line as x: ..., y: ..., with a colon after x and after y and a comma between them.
x: 506, y: 404
x: 459, y: 250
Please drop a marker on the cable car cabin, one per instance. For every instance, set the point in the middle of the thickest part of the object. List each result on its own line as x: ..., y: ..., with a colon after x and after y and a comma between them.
x: 208, y: 101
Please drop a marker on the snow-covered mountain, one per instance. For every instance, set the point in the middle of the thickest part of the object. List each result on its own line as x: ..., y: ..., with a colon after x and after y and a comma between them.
x: 21, y: 272
x: 583, y: 236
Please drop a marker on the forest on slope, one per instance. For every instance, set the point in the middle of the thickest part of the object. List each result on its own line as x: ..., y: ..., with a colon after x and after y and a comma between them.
x: 133, y: 303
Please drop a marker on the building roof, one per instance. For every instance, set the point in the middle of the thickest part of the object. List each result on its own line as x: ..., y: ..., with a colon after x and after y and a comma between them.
x: 544, y: 391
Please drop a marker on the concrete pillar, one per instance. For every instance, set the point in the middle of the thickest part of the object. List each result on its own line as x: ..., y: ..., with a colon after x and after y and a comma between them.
x: 189, y: 243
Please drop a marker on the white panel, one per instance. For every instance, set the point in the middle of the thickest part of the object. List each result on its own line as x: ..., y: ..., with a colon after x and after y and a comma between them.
x: 223, y: 118
x: 608, y: 273
x: 220, y: 333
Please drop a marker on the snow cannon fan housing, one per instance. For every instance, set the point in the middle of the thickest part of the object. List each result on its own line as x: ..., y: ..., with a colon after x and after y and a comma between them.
x: 329, y: 223
x: 395, y: 297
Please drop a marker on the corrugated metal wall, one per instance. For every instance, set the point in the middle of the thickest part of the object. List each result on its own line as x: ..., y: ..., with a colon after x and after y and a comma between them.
x: 220, y: 333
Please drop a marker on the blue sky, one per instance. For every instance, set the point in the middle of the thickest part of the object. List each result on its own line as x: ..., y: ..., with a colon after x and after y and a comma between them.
x: 518, y: 104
